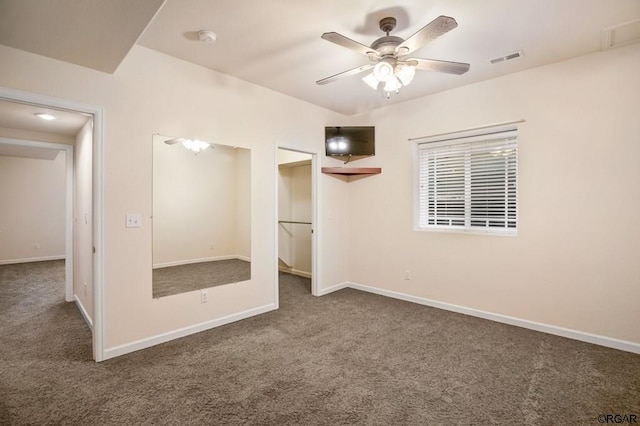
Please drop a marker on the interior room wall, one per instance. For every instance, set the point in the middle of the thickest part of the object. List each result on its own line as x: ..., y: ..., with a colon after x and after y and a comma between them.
x: 574, y: 262
x: 154, y: 93
x: 83, y: 220
x: 32, y: 216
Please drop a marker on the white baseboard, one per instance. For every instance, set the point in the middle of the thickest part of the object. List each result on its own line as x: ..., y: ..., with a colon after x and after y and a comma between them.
x: 183, y: 332
x: 32, y: 259
x: 292, y: 271
x: 83, y: 311
x: 200, y: 260
x: 325, y: 291
x: 532, y: 325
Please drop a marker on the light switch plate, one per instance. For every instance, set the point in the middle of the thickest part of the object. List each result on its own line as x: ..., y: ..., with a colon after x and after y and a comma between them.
x: 134, y: 220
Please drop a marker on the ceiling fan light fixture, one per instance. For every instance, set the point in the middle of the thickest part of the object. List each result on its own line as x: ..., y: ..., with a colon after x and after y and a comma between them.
x: 392, y: 84
x: 405, y: 73
x: 387, y: 55
x: 383, y: 71
x: 371, y: 81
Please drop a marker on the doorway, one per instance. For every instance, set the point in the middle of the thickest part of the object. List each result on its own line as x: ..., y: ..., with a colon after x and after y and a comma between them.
x: 37, y: 188
x: 83, y: 268
x: 296, y: 215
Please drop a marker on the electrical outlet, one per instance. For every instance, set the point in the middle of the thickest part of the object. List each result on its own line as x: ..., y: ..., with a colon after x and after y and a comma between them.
x: 85, y: 289
x: 407, y: 274
x: 204, y: 296
x: 134, y: 220
x: 36, y: 246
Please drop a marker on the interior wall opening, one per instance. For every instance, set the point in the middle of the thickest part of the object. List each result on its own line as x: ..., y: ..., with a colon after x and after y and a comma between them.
x: 296, y: 218
x: 59, y: 214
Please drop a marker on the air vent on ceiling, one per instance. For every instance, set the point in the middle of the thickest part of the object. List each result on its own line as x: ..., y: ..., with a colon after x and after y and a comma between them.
x: 620, y: 35
x: 510, y: 56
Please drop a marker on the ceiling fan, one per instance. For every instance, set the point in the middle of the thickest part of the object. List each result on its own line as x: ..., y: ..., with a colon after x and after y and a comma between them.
x: 389, y: 55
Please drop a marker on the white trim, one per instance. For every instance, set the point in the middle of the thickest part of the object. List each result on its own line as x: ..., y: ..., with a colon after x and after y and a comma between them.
x: 98, y: 196
x: 201, y: 260
x: 466, y: 132
x: 100, y: 325
x: 69, y: 223
x: 609, y: 342
x: 292, y: 271
x: 31, y: 259
x: 183, y: 332
x: 325, y: 291
x: 276, y: 225
x: 83, y: 311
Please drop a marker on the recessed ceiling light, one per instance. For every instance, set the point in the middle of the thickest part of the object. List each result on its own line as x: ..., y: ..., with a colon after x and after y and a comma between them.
x: 45, y: 116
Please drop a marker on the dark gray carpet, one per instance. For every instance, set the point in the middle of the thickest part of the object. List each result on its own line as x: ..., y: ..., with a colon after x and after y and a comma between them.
x: 183, y: 278
x: 346, y: 358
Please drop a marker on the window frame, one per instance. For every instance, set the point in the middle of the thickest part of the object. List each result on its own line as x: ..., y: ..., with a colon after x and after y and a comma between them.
x: 487, y: 133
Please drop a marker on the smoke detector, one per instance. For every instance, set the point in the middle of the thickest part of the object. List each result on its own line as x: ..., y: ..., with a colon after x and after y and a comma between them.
x: 207, y: 36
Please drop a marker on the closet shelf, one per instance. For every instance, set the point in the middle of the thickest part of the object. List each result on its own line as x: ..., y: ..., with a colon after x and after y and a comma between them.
x: 352, y: 170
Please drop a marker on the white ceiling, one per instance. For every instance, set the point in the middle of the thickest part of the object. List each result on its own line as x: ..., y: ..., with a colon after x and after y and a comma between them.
x: 94, y: 33
x: 18, y: 116
x: 276, y: 44
x: 15, y: 115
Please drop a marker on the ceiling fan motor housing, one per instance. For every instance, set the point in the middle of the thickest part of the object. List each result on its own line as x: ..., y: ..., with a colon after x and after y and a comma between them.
x: 386, y: 45
x: 387, y: 24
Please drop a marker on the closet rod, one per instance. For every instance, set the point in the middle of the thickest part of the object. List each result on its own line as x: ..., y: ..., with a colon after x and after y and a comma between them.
x: 289, y: 221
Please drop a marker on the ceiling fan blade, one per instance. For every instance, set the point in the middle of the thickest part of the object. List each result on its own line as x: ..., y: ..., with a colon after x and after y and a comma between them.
x: 345, y: 74
x: 343, y: 41
x: 440, y: 66
x: 431, y: 31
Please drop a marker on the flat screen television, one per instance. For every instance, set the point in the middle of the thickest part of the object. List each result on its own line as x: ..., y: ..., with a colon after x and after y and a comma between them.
x: 350, y: 141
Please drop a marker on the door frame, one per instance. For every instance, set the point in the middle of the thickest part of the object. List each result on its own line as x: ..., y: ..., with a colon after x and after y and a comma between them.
x: 97, y: 112
x: 315, y: 228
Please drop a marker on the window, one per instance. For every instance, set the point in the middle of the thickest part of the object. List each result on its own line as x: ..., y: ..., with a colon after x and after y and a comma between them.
x: 469, y: 182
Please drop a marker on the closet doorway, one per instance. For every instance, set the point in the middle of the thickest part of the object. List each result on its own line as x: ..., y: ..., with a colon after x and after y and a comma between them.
x: 296, y: 216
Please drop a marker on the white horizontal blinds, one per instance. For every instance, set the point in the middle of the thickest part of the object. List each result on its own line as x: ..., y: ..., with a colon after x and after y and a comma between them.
x: 469, y: 182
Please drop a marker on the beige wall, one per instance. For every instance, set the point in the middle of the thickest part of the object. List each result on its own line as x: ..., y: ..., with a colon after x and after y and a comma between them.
x: 83, y: 220
x: 574, y: 262
x: 32, y: 212
x: 154, y: 93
